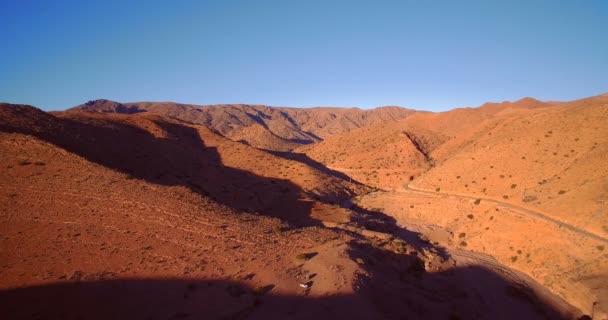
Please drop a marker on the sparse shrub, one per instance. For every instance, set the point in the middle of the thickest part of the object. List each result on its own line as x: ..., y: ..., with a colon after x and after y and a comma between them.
x: 305, y: 256
x: 399, y: 246
x: 411, y: 178
x: 513, y: 186
x: 438, y: 189
x: 24, y: 163
x: 513, y: 258
x: 561, y: 192
x: 470, y: 216
x: 277, y: 229
x: 261, y: 290
x: 39, y: 163
x: 600, y: 248
x: 462, y: 235
x: 463, y: 243
x: 505, y: 197
x: 478, y: 201
x: 457, y: 177
x: 529, y: 198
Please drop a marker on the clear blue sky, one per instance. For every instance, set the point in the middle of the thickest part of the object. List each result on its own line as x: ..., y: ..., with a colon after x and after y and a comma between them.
x: 433, y: 55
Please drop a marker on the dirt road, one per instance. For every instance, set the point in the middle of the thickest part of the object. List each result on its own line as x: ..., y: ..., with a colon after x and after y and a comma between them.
x: 514, y: 208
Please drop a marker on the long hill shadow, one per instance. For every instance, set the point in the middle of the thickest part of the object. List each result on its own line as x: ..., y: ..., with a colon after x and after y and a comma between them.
x: 180, y: 158
x: 305, y: 159
x: 381, y: 222
x: 397, y: 284
x: 468, y: 293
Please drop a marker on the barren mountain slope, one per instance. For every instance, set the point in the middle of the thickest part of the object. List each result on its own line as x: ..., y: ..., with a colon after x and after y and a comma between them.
x: 172, y: 152
x: 113, y: 216
x: 456, y: 128
x: 260, y: 137
x: 325, y: 122
x: 552, y: 160
x: 123, y: 247
x: 384, y: 155
x: 388, y: 154
x: 286, y: 127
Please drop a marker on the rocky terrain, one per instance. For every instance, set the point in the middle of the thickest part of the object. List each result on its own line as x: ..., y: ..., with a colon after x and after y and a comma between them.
x: 264, y: 127
x: 164, y: 210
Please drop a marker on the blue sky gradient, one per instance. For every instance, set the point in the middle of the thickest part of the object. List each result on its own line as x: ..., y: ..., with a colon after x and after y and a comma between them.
x: 431, y: 55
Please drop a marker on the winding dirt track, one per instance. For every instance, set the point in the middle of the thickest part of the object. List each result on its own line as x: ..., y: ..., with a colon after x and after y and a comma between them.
x: 514, y: 208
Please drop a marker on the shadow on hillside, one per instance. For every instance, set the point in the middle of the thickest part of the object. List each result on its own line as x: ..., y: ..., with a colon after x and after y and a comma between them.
x: 179, y: 158
x: 397, y: 282
x: 380, y: 222
x: 303, y: 158
x: 468, y: 293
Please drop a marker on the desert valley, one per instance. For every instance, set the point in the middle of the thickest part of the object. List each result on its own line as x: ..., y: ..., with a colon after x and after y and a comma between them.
x: 160, y: 210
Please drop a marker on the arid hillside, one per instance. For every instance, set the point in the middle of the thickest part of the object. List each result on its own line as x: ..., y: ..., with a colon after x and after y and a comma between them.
x: 264, y: 127
x: 551, y: 159
x: 390, y: 154
x: 393, y: 152
x: 145, y: 216
x: 171, y: 152
x: 382, y: 155
x: 511, y: 180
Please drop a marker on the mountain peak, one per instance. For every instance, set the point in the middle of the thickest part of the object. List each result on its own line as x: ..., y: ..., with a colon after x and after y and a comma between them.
x: 107, y: 106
